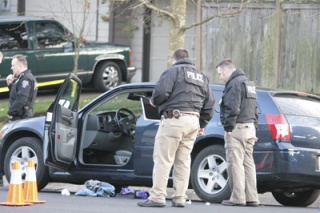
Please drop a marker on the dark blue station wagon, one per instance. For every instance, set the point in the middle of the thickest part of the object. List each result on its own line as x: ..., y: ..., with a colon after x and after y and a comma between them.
x: 111, y: 140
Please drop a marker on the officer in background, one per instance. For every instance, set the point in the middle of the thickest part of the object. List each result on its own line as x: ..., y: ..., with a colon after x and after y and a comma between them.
x: 186, y: 103
x: 239, y: 117
x: 23, y: 89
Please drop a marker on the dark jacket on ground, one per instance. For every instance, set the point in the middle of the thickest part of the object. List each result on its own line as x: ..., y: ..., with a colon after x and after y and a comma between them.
x: 185, y: 88
x: 238, y: 103
x: 23, y: 92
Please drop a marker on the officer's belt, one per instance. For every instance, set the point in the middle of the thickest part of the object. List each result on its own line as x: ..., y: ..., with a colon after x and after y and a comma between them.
x: 182, y: 113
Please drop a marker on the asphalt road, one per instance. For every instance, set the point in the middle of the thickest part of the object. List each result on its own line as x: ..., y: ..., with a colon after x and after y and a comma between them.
x: 56, y: 202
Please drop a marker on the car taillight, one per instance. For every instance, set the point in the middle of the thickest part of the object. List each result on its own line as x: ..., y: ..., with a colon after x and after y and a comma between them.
x: 279, y: 127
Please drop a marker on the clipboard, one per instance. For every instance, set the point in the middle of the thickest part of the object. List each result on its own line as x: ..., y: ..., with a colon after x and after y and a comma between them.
x: 149, y: 112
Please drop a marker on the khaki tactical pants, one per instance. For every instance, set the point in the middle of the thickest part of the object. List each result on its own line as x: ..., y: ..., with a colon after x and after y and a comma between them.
x: 240, y: 164
x: 173, y: 145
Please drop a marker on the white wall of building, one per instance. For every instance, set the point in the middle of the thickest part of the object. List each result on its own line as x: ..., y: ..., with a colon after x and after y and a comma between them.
x: 70, y: 14
x: 8, y: 7
x: 95, y: 29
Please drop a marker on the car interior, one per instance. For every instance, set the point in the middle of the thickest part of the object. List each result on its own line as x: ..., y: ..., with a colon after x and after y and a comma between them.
x: 109, y: 130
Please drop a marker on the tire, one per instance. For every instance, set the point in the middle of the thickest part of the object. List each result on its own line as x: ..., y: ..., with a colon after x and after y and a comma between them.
x: 210, y: 182
x: 107, y: 76
x: 304, y: 198
x: 22, y: 150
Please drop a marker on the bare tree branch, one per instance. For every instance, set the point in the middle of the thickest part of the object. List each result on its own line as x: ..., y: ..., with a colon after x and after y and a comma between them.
x: 147, y: 4
x: 243, y: 6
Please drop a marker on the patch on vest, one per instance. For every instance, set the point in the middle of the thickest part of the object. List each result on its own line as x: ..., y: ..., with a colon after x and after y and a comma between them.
x: 250, y: 89
x: 25, y: 83
x: 194, y: 77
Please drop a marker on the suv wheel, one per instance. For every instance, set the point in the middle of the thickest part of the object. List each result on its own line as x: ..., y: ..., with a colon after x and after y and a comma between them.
x: 107, y: 76
x: 23, y: 150
x: 304, y: 198
x: 209, y: 176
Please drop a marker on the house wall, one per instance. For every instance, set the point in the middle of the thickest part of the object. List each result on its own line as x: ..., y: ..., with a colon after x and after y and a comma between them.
x: 126, y: 28
x: 96, y: 28
x: 8, y: 8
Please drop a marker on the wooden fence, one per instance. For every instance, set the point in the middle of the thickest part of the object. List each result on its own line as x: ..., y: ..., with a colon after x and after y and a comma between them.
x: 276, y: 43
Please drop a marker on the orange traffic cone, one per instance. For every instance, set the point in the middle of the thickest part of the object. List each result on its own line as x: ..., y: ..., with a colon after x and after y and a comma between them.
x: 30, y: 187
x: 15, y: 194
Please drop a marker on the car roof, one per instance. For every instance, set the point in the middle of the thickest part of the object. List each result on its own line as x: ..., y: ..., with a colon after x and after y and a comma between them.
x: 220, y: 87
x: 21, y: 18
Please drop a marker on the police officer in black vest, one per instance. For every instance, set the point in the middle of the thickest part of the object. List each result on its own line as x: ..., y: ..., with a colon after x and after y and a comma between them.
x: 23, y: 89
x: 185, y: 101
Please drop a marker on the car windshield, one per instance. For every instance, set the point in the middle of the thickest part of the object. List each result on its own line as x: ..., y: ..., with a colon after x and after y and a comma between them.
x: 296, y: 105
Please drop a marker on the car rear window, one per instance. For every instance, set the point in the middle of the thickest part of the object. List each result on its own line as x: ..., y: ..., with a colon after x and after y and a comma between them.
x: 296, y: 105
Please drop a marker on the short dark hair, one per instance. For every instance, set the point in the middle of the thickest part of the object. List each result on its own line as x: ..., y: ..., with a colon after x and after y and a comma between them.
x: 21, y: 59
x: 180, y: 54
x: 225, y: 63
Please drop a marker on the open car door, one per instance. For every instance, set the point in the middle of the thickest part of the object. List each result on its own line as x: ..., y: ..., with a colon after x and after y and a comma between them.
x: 61, y: 124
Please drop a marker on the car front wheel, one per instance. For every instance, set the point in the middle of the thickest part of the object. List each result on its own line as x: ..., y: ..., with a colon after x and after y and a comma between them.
x: 107, y: 76
x: 23, y: 150
x: 304, y: 198
x: 209, y: 176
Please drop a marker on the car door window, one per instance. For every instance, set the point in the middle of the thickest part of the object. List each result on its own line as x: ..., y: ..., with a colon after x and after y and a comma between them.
x: 13, y: 37
x: 69, y: 97
x: 122, y: 101
x: 50, y: 35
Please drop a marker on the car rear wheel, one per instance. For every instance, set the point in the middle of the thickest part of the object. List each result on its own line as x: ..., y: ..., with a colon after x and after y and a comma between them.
x: 304, y: 198
x: 209, y: 176
x: 107, y: 76
x: 23, y: 150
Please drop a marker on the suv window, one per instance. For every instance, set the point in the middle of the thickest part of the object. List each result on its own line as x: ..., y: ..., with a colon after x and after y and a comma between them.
x: 50, y: 35
x: 294, y: 105
x: 218, y: 95
x: 13, y: 36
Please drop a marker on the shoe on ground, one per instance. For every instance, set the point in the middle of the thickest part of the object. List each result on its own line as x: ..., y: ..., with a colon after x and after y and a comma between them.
x: 229, y: 203
x: 253, y: 203
x: 150, y: 203
x: 174, y: 204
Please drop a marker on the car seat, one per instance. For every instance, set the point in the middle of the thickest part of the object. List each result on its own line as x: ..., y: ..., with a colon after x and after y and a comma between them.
x: 122, y: 157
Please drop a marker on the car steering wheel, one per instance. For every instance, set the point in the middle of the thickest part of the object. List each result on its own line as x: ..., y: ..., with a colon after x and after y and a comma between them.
x: 126, y: 121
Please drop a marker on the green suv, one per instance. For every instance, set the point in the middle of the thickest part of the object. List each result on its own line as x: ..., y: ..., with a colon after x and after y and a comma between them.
x: 50, y: 50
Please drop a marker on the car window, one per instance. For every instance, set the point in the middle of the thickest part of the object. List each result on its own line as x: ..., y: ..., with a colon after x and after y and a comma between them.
x: 69, y: 98
x: 50, y: 35
x: 217, y: 96
x: 13, y: 37
x: 295, y: 105
x: 123, y: 100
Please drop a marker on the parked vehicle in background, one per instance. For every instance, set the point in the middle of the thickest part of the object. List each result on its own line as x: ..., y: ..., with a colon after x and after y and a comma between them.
x: 50, y: 50
x: 110, y: 140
